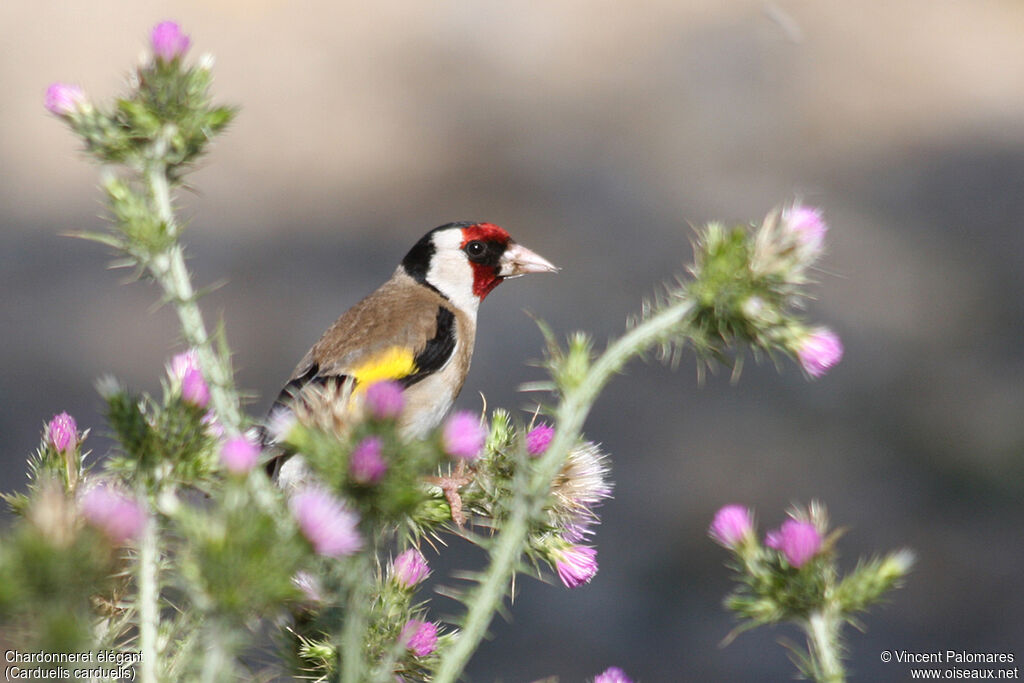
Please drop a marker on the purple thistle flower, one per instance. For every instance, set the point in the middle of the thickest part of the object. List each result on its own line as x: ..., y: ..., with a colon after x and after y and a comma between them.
x: 384, y: 400
x: 194, y: 389
x: 409, y: 568
x: 819, y: 350
x: 181, y: 363
x: 463, y: 436
x: 420, y: 637
x: 576, y: 564
x: 612, y: 674
x: 168, y: 41
x: 119, y: 517
x: 62, y: 433
x: 326, y: 522
x: 63, y: 99
x: 807, y: 224
x: 538, y: 439
x: 797, y: 540
x: 731, y: 525
x: 365, y: 463
x: 184, y: 369
x: 239, y: 455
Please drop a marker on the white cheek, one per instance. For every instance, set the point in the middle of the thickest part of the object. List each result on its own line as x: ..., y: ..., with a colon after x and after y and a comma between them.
x: 452, y: 275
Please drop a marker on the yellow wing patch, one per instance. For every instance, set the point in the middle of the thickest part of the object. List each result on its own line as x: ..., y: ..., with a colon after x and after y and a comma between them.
x: 391, y: 363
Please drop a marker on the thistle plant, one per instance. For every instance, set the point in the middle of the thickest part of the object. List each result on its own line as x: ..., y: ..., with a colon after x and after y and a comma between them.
x: 178, y: 538
x: 793, y: 577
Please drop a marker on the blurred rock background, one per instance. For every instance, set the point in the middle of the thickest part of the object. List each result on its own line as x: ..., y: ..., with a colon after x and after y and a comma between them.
x: 596, y: 132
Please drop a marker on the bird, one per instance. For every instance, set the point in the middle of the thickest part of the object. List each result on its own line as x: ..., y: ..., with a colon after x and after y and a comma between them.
x: 417, y: 329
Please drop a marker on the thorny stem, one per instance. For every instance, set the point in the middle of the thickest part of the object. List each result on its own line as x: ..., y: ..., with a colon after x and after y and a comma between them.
x: 149, y: 600
x: 168, y: 268
x: 218, y: 659
x: 823, y: 639
x: 570, y: 416
x: 353, y: 631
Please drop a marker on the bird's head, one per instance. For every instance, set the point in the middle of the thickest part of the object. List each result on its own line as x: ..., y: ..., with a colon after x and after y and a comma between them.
x: 465, y: 261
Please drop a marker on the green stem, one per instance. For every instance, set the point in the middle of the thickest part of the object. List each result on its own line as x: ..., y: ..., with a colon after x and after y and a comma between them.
x: 823, y: 638
x: 218, y: 658
x: 160, y: 190
x: 353, y: 630
x: 571, y: 414
x: 149, y: 600
x: 168, y: 268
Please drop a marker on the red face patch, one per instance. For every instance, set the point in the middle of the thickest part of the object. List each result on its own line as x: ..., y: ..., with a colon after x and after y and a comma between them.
x: 486, y: 232
x: 485, y: 271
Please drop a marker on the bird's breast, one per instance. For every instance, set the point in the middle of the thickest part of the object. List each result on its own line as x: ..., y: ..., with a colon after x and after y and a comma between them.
x: 429, y: 400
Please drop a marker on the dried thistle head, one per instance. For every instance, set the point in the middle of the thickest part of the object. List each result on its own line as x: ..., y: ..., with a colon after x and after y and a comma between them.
x: 332, y: 407
x: 580, y: 486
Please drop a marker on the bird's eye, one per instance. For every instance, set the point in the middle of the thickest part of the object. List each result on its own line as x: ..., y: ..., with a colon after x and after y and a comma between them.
x: 476, y: 249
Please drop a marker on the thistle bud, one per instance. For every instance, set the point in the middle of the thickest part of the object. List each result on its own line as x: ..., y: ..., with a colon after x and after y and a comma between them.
x: 819, y: 350
x: 463, y: 436
x: 185, y: 370
x: 797, y: 540
x: 62, y: 433
x: 120, y: 517
x: 612, y: 674
x: 63, y: 99
x: 538, y: 439
x: 806, y: 224
x: 409, y: 568
x: 326, y: 523
x: 366, y: 465
x: 384, y: 400
x: 168, y: 41
x: 420, y: 637
x: 731, y: 526
x: 575, y: 564
x: 239, y: 455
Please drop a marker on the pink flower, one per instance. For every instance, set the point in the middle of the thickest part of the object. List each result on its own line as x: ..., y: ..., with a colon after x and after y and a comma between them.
x: 463, y: 436
x: 409, y: 568
x: 115, y: 514
x: 819, y: 350
x: 366, y: 464
x: 168, y: 41
x: 185, y: 369
x: 194, y: 389
x: 807, y: 224
x: 420, y: 637
x: 239, y: 455
x: 326, y: 522
x: 731, y: 525
x: 63, y: 99
x: 181, y: 363
x: 612, y: 674
x: 576, y: 565
x: 62, y: 433
x: 538, y: 438
x: 798, y: 541
x: 384, y: 400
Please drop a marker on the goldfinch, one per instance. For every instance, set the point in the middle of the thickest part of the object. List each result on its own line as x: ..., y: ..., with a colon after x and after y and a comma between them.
x: 417, y: 329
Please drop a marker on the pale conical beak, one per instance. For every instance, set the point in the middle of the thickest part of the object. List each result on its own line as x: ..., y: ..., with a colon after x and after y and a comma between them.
x: 518, y: 260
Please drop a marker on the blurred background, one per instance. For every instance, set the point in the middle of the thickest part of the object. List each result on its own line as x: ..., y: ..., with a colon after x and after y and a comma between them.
x: 596, y: 132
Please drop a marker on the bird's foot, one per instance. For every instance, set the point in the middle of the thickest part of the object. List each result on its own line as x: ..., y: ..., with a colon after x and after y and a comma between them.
x: 450, y: 486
